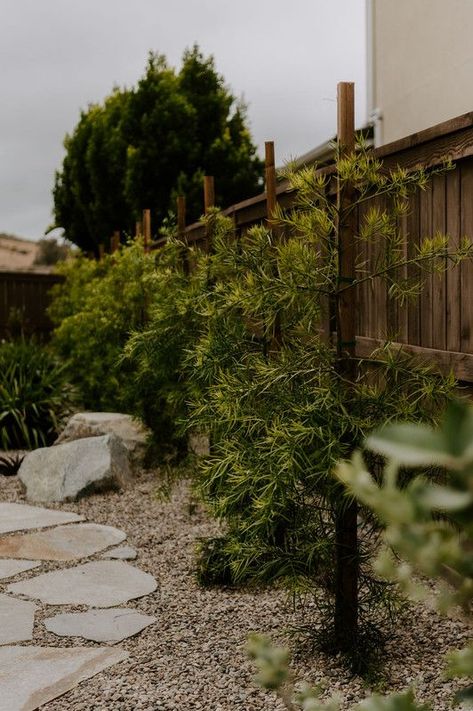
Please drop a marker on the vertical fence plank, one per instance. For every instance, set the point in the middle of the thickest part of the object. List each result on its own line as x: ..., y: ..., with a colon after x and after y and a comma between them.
x: 453, y: 275
x: 427, y: 291
x: 467, y: 265
x: 413, y: 239
x: 209, y: 192
x: 439, y: 283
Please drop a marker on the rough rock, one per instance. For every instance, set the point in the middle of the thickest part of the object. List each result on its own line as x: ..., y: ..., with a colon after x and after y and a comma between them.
x: 61, y: 543
x: 103, y: 583
x: 32, y: 676
x: 112, y: 625
x: 21, y: 517
x: 16, y: 622
x: 67, y: 472
x: 92, y: 424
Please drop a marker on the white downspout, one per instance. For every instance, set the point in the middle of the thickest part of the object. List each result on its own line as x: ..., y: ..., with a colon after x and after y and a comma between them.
x: 375, y: 116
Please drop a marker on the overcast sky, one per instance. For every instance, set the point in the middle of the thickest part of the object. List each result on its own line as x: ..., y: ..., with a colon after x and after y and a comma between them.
x: 284, y: 57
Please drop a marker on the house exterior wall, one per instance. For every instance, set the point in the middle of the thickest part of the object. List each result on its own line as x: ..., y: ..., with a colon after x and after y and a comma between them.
x: 420, y: 64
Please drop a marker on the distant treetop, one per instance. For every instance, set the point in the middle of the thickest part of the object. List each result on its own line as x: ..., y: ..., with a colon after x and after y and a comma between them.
x: 143, y: 146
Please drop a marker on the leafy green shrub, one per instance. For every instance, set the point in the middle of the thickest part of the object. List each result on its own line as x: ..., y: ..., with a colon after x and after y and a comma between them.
x: 428, y: 525
x: 94, y: 311
x: 279, y: 405
x: 34, y: 395
x: 157, y: 388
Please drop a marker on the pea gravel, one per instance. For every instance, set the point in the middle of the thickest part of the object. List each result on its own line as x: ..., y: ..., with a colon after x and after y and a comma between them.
x: 194, y: 656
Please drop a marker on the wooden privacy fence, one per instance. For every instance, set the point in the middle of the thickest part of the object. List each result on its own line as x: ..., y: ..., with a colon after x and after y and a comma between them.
x: 24, y: 298
x: 439, y: 325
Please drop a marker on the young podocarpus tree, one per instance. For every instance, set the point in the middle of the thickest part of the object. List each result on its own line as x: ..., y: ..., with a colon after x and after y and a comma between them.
x: 283, y: 402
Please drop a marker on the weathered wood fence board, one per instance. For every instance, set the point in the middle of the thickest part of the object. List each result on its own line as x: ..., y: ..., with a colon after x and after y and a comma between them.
x: 437, y: 326
x: 24, y: 298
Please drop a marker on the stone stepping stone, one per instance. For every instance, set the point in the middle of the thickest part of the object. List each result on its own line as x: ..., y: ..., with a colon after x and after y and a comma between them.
x: 112, y: 625
x: 103, y: 583
x: 32, y: 676
x: 9, y: 568
x: 20, y: 517
x: 121, y: 553
x: 62, y: 543
x: 16, y: 622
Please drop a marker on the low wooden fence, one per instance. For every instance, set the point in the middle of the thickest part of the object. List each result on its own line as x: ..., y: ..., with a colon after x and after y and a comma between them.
x: 24, y: 298
x: 439, y: 325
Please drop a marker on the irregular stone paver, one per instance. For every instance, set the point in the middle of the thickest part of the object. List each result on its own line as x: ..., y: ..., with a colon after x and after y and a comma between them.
x: 21, y: 517
x: 61, y: 543
x: 8, y: 568
x: 16, y: 621
x: 103, y: 583
x: 110, y: 625
x: 32, y: 676
x: 69, y: 471
x: 121, y: 553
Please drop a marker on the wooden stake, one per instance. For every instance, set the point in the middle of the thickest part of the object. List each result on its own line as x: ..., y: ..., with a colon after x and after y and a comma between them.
x: 101, y: 251
x: 181, y: 230
x: 146, y: 229
x: 138, y: 229
x: 209, y: 192
x: 115, y: 241
x: 209, y: 202
x: 346, y: 528
x: 270, y: 173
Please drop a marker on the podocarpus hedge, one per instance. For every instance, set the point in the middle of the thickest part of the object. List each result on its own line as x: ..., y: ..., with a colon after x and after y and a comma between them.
x: 235, y: 350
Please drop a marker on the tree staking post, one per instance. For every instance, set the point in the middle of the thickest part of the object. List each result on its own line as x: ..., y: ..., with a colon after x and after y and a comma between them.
x: 181, y: 230
x: 346, y: 530
x: 270, y: 180
x: 146, y: 229
x: 271, y: 210
x: 115, y: 241
x: 209, y: 202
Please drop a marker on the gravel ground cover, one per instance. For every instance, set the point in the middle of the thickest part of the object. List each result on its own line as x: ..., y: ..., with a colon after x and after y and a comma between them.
x: 194, y: 657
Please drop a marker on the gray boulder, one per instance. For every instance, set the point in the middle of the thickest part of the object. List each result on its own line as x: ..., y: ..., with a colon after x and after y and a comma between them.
x: 67, y: 472
x: 95, y: 424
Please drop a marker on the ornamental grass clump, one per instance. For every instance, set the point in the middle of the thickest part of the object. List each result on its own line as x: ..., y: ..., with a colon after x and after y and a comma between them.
x: 35, y: 395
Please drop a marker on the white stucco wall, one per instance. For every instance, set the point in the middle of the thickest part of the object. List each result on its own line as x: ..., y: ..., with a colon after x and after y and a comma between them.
x: 421, y: 63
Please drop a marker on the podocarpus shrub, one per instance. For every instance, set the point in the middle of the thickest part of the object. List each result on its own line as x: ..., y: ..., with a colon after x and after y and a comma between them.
x: 279, y: 409
x: 34, y: 395
x: 430, y: 528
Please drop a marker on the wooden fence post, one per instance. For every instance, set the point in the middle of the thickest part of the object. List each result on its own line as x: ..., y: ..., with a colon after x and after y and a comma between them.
x: 115, y: 241
x: 101, y: 250
x: 181, y: 230
x: 209, y: 202
x: 138, y: 228
x: 346, y: 533
x: 146, y: 229
x: 271, y: 209
x: 270, y: 182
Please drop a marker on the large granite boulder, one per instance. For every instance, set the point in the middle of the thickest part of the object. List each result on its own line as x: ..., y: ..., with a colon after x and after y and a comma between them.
x: 95, y: 424
x: 69, y: 471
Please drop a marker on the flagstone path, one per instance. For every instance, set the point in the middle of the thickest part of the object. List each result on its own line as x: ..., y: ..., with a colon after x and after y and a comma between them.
x: 30, y: 675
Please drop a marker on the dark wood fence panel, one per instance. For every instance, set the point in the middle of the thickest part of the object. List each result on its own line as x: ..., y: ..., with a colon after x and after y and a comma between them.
x: 24, y: 298
x: 439, y: 324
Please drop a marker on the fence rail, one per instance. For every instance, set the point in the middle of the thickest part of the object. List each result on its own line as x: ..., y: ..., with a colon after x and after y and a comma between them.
x: 24, y: 298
